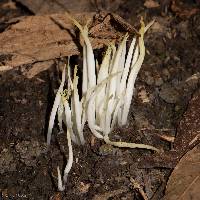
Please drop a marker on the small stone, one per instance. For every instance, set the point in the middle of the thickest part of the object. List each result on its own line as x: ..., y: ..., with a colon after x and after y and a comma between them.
x: 169, y: 94
x: 143, y: 96
x: 106, y: 149
x: 182, y: 28
x: 84, y: 187
x: 7, y: 163
x: 141, y: 121
x: 158, y: 81
x: 29, y: 151
x: 166, y: 74
x: 149, y: 80
x: 157, y: 27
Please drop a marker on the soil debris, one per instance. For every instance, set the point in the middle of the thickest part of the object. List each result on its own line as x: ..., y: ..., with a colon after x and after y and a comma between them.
x: 7, y: 162
x: 29, y: 151
x: 169, y: 94
x: 31, y: 44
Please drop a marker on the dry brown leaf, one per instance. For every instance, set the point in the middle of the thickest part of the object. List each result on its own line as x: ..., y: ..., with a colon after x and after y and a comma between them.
x: 184, y: 182
x: 41, y: 38
x: 151, y: 4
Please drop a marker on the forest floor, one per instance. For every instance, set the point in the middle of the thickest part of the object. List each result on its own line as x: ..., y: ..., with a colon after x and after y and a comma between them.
x: 164, y: 113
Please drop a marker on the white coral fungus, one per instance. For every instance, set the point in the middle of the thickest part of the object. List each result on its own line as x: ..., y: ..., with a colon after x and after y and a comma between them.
x: 106, y: 94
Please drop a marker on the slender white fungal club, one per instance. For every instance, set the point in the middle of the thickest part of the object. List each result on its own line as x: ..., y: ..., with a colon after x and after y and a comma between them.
x: 107, y: 91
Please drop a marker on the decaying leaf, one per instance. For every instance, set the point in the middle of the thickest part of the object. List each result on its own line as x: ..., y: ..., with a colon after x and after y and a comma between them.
x: 184, y: 182
x: 42, y: 38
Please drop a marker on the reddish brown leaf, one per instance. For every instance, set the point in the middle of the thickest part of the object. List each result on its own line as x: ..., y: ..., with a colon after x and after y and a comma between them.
x: 184, y: 182
x: 37, y: 68
x: 189, y: 128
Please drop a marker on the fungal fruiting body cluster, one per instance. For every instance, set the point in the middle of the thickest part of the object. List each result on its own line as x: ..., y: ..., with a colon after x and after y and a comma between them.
x: 107, y: 91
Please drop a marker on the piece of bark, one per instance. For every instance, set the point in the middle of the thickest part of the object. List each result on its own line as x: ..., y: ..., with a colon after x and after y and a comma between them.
x: 57, y: 6
x: 38, y: 67
x: 40, y: 38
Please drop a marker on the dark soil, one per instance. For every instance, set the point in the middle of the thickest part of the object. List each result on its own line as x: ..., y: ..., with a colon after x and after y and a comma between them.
x: 165, y: 85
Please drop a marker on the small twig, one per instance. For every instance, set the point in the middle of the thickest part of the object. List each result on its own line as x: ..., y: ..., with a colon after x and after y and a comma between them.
x: 163, y: 136
x: 129, y: 145
x: 197, y: 137
x: 167, y: 138
x: 137, y: 186
x: 5, y: 68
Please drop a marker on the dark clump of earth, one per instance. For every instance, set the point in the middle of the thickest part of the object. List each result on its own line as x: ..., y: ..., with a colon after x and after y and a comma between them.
x: 165, y: 85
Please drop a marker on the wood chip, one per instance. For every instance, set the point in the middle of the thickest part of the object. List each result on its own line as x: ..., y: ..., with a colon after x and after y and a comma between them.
x: 37, y: 68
